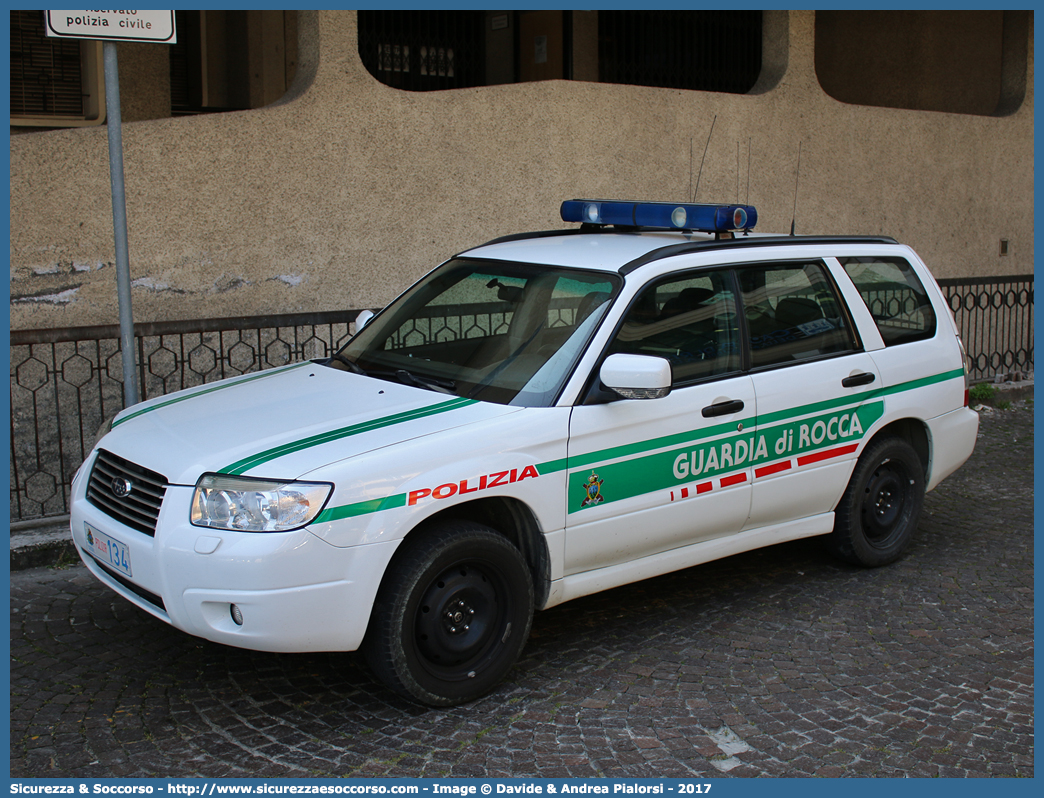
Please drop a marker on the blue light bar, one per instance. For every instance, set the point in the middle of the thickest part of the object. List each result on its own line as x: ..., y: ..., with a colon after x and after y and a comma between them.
x: 662, y: 215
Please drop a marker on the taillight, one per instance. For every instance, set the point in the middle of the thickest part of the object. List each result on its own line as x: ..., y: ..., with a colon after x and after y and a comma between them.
x: 967, y: 369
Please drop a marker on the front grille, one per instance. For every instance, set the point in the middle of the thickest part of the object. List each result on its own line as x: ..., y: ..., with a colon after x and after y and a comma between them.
x: 140, y: 507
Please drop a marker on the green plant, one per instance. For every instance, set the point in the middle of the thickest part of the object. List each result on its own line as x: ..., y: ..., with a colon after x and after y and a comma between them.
x: 66, y: 559
x: 982, y: 392
x: 1003, y: 405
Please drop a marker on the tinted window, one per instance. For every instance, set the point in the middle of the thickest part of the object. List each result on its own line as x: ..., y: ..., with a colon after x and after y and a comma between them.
x: 691, y: 321
x: 895, y: 297
x: 793, y: 313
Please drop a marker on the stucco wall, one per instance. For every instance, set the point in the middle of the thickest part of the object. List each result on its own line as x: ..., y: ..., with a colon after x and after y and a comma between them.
x: 346, y: 190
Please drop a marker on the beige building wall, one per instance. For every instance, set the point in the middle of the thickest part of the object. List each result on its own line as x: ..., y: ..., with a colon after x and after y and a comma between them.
x: 346, y: 190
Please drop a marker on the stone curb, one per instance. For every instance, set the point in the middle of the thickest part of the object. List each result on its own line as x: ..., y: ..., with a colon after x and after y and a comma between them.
x: 1012, y: 392
x: 45, y: 544
x: 1009, y: 391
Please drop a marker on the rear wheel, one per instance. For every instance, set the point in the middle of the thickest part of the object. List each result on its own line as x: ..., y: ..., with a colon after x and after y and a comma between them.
x: 452, y: 615
x: 876, y: 518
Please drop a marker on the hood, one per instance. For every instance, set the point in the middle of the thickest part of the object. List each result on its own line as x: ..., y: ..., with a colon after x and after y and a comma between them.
x: 282, y: 423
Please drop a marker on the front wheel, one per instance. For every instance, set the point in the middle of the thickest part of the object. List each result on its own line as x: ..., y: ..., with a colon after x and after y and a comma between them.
x: 877, y: 515
x: 452, y: 615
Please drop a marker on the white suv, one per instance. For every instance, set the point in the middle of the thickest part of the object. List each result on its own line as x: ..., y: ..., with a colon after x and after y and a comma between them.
x: 539, y: 418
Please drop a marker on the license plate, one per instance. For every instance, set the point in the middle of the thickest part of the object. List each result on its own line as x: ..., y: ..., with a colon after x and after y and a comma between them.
x: 108, y: 550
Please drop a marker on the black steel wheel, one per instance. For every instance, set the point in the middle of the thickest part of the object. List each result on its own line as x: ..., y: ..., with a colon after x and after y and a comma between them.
x: 452, y: 615
x: 876, y: 518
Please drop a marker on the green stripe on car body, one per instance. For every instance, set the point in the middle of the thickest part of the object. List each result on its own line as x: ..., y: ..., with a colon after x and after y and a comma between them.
x: 776, y: 434
x: 641, y: 447
x: 551, y: 466
x: 873, y: 393
x: 692, y: 436
x: 361, y: 508
x: 229, y: 384
x: 780, y: 423
x: 702, y: 459
x: 244, y: 465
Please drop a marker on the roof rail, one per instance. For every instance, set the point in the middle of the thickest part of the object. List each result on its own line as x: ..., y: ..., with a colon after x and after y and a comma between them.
x: 759, y: 241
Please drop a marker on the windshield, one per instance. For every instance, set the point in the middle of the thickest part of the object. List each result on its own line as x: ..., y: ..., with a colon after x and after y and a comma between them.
x: 495, y: 331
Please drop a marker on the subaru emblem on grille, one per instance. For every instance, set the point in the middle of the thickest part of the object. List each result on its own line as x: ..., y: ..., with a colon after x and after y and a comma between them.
x: 121, y: 487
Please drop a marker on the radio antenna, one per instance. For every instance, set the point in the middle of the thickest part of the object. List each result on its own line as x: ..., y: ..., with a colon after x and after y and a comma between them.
x: 797, y: 174
x: 705, y: 146
x: 690, y: 167
x: 747, y: 198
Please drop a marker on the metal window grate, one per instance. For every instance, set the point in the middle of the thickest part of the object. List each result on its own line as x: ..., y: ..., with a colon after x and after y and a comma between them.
x: 139, y: 507
x: 698, y: 50
x: 46, y: 74
x: 424, y: 50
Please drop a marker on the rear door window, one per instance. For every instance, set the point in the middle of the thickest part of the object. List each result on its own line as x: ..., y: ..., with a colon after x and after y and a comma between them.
x: 793, y: 314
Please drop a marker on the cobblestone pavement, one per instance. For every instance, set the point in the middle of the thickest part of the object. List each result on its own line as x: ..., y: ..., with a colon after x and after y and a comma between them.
x: 780, y: 662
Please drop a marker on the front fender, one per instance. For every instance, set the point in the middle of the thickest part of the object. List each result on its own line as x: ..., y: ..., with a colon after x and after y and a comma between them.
x: 384, y: 494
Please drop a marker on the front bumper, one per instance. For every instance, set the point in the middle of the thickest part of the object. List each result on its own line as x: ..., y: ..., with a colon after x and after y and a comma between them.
x: 294, y: 591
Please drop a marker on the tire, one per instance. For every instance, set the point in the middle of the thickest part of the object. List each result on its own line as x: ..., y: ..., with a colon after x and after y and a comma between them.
x: 876, y: 518
x: 451, y: 616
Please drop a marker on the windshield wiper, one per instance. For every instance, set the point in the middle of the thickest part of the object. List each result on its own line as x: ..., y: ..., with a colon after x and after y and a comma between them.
x: 422, y: 381
x: 402, y: 375
x: 351, y: 364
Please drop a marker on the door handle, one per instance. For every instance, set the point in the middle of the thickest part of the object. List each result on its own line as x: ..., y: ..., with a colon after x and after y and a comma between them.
x: 858, y: 379
x: 723, y: 408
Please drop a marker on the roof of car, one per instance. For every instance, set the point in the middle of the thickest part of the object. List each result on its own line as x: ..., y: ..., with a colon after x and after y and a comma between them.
x: 622, y: 251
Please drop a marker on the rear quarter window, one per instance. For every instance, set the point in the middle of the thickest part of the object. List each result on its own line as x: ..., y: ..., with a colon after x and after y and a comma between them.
x: 895, y: 297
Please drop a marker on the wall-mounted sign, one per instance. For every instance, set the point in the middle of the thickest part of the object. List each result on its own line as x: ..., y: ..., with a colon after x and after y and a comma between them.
x: 123, y: 26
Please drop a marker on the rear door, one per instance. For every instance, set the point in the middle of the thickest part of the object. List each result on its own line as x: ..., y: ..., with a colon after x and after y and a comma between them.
x: 812, y: 381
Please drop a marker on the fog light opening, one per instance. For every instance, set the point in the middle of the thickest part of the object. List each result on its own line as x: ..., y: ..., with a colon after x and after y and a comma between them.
x: 237, y: 614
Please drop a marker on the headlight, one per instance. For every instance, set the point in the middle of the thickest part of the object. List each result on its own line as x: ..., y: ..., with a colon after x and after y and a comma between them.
x: 245, y: 504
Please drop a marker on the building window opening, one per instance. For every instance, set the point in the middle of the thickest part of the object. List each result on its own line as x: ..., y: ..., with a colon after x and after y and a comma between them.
x: 965, y: 62
x: 697, y: 50
x: 231, y: 60
x: 54, y: 82
x: 433, y: 50
x: 424, y: 50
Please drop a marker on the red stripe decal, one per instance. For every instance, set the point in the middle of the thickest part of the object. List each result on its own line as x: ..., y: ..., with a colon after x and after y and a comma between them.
x: 703, y: 487
x: 775, y: 468
x: 735, y: 479
x: 682, y: 494
x: 826, y: 455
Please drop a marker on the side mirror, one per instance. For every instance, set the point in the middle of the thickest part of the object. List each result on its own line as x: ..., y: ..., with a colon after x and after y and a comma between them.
x: 363, y: 319
x: 636, y: 376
